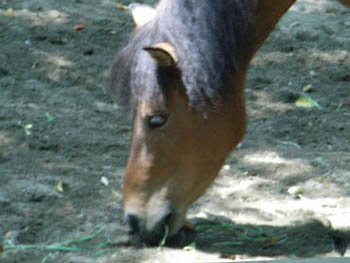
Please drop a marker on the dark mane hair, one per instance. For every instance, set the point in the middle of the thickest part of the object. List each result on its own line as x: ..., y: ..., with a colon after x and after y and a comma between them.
x: 208, y: 37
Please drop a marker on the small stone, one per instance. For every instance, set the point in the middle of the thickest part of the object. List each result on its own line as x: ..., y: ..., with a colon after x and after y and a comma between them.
x: 187, y: 248
x: 295, y: 191
x: 308, y: 88
x: 226, y: 167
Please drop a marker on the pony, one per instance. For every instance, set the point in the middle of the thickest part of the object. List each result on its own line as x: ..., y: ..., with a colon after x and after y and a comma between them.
x: 183, y: 74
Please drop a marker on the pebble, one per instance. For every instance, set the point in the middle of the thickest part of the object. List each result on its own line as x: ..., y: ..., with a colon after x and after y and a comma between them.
x: 295, y: 190
x: 226, y: 167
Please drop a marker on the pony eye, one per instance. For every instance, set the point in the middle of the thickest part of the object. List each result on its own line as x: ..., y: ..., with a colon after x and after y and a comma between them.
x: 157, y: 121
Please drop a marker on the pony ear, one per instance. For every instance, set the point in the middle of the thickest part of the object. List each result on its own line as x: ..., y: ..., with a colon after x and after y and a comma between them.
x: 141, y: 13
x: 163, y: 53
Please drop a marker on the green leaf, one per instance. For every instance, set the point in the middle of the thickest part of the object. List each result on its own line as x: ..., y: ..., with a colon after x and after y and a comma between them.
x: 307, y: 102
x: 49, y: 117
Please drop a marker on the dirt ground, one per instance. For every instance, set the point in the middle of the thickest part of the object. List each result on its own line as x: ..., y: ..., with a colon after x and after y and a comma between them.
x: 285, y: 192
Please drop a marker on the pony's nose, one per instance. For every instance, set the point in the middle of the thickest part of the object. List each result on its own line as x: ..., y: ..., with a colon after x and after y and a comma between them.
x: 152, y: 235
x: 133, y: 222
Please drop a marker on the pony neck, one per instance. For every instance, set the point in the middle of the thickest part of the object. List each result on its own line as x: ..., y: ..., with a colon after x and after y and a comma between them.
x: 267, y: 14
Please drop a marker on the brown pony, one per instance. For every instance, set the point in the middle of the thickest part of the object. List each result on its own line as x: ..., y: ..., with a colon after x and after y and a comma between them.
x: 183, y: 71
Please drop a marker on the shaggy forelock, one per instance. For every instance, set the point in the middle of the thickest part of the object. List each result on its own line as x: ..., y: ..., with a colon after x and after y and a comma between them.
x: 207, y: 35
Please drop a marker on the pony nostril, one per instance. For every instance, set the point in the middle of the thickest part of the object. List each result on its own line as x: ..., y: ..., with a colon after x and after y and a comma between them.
x: 133, y: 222
x: 157, y: 230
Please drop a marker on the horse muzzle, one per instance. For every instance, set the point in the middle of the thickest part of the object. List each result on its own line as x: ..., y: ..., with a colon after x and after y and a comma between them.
x: 153, y: 229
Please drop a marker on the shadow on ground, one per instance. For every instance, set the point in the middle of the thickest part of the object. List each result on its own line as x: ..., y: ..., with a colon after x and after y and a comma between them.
x: 222, y: 236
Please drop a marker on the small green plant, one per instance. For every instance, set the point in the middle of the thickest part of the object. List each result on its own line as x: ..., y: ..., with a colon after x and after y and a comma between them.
x: 49, y: 117
x: 67, y: 246
x: 165, y: 237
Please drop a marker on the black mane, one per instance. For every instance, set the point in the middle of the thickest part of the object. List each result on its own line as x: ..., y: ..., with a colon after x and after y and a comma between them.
x: 208, y: 36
